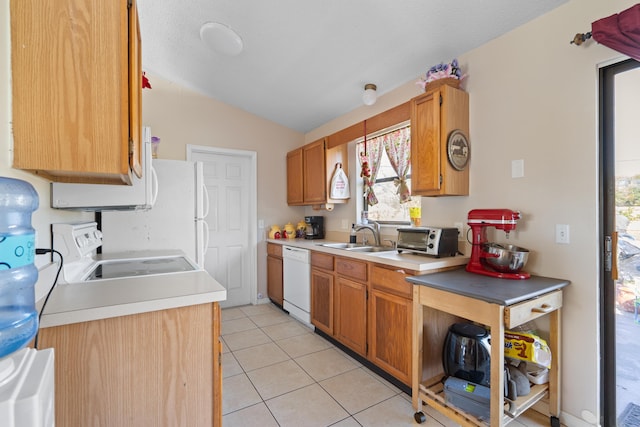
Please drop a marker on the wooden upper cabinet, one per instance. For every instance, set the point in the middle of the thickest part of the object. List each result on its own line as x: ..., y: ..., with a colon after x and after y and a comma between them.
x: 76, y: 82
x: 295, y: 169
x: 309, y: 172
x: 315, y: 179
x: 434, y: 115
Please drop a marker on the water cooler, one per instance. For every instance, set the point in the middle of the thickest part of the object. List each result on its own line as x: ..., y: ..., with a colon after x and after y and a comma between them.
x: 26, y: 374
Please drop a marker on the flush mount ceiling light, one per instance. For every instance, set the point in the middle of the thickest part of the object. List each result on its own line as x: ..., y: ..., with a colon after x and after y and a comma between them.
x: 221, y: 39
x: 369, y: 96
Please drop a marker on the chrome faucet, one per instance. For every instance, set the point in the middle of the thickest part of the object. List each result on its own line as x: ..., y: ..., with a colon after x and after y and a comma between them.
x: 374, y: 227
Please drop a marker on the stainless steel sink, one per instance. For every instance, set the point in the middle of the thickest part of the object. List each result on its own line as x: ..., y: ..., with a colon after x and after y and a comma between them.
x: 348, y: 246
x: 372, y: 249
x: 357, y: 247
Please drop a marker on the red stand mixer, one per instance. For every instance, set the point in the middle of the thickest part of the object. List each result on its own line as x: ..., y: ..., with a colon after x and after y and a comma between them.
x: 483, y: 256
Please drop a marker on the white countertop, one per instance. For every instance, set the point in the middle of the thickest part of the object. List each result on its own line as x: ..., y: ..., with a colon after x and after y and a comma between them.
x: 102, y: 299
x: 406, y: 260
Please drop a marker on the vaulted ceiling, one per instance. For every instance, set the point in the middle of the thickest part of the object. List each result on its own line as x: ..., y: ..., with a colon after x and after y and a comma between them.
x: 306, y: 62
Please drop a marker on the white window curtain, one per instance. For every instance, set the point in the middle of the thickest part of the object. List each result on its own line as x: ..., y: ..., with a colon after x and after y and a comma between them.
x: 398, y: 147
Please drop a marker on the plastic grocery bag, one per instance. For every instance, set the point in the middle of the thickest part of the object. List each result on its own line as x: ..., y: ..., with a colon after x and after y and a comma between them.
x: 339, y: 184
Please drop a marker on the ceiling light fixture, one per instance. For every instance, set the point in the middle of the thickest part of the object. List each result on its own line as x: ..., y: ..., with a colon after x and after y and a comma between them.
x: 369, y: 96
x: 221, y: 38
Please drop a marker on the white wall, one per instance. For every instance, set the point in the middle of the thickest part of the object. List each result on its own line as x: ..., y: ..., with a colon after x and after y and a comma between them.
x: 533, y: 96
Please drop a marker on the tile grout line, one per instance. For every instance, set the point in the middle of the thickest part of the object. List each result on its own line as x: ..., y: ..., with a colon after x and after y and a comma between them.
x: 396, y: 392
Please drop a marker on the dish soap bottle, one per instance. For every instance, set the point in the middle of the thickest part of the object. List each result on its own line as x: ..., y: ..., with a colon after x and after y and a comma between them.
x: 352, y: 235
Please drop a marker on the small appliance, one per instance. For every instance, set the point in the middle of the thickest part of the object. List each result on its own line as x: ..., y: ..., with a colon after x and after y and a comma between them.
x: 433, y: 241
x: 315, y: 227
x: 466, y: 353
x: 479, y: 220
x: 472, y: 398
x: 140, y: 195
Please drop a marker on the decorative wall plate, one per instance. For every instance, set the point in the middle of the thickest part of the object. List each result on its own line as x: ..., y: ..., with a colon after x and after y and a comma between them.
x: 458, y: 150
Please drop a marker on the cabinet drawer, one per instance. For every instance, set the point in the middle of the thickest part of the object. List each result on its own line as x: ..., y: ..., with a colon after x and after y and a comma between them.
x: 391, y: 281
x: 274, y: 250
x: 351, y: 268
x: 518, y: 314
x: 322, y: 261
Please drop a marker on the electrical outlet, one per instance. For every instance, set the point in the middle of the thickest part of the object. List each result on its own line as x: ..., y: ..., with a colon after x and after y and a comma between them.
x: 345, y: 224
x: 460, y: 228
x: 562, y: 234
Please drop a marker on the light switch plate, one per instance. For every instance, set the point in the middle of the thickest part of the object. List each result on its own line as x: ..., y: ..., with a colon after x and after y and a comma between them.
x: 517, y: 168
x: 562, y: 234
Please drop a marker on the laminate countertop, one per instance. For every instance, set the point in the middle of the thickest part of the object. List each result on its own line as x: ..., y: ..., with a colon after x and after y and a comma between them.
x: 101, y: 299
x: 499, y: 291
x: 405, y: 260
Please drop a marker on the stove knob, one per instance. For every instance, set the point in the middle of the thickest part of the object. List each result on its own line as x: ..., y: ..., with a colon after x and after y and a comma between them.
x: 432, y: 236
x: 82, y: 241
x: 430, y: 245
x: 97, y: 234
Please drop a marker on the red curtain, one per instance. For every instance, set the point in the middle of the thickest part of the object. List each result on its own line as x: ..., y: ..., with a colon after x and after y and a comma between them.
x: 620, y: 32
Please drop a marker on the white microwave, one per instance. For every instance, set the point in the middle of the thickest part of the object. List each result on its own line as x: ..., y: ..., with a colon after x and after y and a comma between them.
x: 140, y: 195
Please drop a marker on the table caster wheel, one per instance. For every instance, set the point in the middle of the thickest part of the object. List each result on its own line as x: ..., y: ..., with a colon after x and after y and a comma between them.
x: 554, y: 421
x: 419, y: 417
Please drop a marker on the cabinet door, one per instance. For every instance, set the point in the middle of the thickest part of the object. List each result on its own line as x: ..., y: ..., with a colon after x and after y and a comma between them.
x: 217, y: 365
x: 147, y: 369
x: 425, y: 143
x: 390, y: 347
x: 274, y: 279
x: 135, y: 91
x: 322, y: 300
x: 71, y: 89
x: 351, y: 314
x: 434, y: 116
x: 315, y: 179
x: 295, y: 195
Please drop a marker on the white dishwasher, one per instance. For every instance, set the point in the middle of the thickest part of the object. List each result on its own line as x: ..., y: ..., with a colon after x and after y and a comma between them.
x: 297, y: 286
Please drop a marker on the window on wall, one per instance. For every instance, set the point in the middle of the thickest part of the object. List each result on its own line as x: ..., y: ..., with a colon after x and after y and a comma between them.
x: 385, y: 188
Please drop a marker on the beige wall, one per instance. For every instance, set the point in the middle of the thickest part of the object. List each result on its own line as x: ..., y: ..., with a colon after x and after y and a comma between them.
x: 534, y: 97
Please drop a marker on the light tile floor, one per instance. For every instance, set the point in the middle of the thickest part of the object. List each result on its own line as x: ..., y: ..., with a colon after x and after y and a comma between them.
x: 277, y: 372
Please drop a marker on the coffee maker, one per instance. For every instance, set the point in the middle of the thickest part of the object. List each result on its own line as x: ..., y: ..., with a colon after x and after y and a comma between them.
x: 315, y: 227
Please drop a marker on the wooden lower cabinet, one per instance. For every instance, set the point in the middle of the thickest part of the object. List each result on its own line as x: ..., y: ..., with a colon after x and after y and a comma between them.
x: 391, y: 303
x: 390, y: 346
x: 351, y: 314
x: 274, y: 273
x: 161, y: 368
x: 367, y: 307
x: 322, y: 300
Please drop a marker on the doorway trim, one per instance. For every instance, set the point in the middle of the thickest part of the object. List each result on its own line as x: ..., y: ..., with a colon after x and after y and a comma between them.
x: 253, y: 205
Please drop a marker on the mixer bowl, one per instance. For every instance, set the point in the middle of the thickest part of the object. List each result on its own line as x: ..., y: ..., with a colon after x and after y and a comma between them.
x: 504, y: 258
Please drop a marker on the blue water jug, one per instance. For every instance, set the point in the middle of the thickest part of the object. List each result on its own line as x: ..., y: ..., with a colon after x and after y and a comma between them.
x: 18, y: 274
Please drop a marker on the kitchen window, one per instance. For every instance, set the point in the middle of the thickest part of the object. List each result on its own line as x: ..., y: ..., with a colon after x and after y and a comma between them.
x: 384, y: 162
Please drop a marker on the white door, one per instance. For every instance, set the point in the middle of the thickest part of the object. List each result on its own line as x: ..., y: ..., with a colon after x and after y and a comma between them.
x: 230, y: 178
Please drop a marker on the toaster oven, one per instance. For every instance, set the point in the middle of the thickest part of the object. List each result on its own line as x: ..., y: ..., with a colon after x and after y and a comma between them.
x: 433, y: 241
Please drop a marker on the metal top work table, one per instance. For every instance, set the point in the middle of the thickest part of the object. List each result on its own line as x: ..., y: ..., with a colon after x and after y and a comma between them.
x: 441, y: 299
